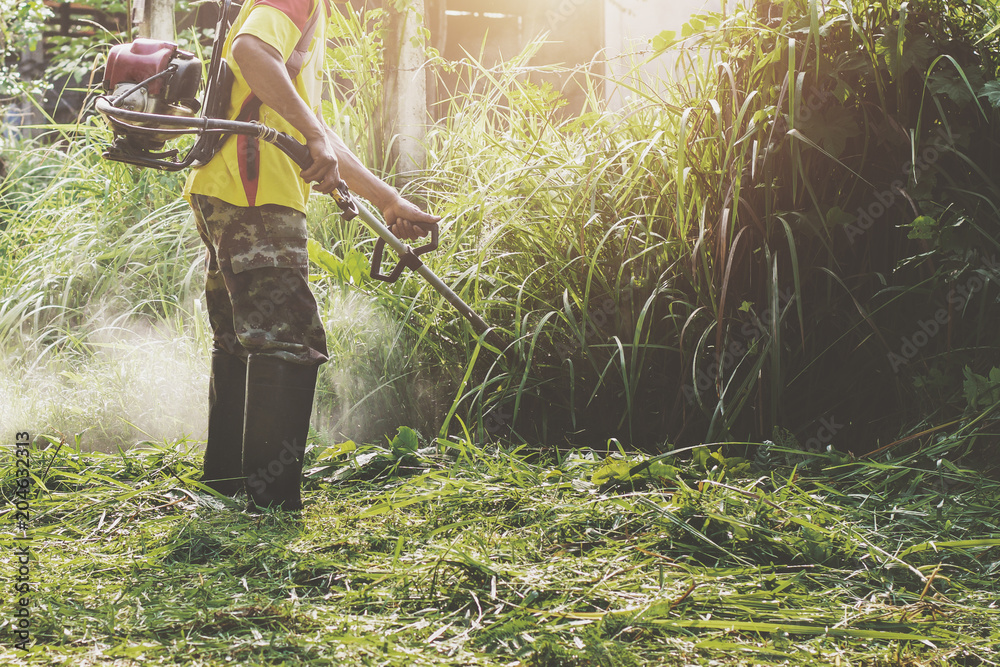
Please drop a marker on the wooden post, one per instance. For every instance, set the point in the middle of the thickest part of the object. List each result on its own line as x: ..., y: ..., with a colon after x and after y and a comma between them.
x: 404, y: 114
x: 155, y: 19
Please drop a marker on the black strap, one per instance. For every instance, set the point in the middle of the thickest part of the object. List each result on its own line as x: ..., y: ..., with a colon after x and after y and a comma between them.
x: 251, y: 106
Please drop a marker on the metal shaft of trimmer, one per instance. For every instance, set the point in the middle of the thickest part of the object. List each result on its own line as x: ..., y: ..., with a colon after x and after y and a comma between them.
x: 403, y: 250
x: 409, y: 258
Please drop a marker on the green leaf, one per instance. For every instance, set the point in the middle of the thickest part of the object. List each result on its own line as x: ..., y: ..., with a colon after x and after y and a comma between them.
x: 664, y: 40
x: 356, y: 264
x: 692, y: 27
x: 327, y: 261
x: 663, y: 471
x: 951, y: 544
x: 830, y: 126
x: 917, y: 51
x: 351, y: 270
x: 991, y: 91
x: 126, y: 650
x: 981, y: 392
x: 336, y: 450
x: 406, y: 442
x: 763, y: 115
x: 951, y: 84
x: 922, y: 227
x: 617, y: 470
x: 972, y: 386
x: 838, y: 217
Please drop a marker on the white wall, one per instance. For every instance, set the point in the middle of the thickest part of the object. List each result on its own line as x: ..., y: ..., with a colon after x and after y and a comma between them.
x: 628, y: 27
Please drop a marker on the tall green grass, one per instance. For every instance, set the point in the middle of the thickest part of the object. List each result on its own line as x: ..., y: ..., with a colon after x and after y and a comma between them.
x: 686, y: 267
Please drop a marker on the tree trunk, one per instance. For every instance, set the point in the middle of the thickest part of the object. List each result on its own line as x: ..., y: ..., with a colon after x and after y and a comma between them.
x: 404, y: 116
x: 155, y: 19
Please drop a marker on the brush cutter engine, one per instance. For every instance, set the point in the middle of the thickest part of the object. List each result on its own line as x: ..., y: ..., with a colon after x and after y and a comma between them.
x: 151, y: 77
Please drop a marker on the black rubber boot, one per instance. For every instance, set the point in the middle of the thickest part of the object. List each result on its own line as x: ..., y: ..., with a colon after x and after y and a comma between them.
x: 223, y: 469
x: 278, y: 408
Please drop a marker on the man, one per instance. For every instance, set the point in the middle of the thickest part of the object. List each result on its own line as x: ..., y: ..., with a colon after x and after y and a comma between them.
x: 249, y: 203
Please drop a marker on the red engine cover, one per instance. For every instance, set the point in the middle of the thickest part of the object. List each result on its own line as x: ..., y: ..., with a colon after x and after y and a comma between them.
x: 137, y: 61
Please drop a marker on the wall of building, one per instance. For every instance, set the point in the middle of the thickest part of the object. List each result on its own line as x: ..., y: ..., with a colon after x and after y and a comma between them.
x: 604, y: 37
x: 495, y: 30
x: 628, y: 27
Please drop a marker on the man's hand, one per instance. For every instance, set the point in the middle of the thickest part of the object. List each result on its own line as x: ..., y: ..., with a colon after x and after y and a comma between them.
x: 406, y: 221
x: 324, y: 170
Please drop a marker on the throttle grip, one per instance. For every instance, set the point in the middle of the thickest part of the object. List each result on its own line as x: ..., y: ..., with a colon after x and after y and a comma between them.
x: 300, y: 154
x: 348, y: 207
x: 289, y: 145
x: 408, y: 260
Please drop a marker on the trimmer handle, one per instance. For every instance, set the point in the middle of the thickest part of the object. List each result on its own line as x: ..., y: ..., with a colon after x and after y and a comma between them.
x: 410, y: 259
x: 407, y: 260
x: 300, y: 154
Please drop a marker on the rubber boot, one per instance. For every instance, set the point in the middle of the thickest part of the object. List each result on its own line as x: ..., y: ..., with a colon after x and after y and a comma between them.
x: 278, y: 408
x: 223, y: 469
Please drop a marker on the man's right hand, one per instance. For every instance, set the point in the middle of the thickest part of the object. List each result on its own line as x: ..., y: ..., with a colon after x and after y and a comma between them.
x: 325, y: 168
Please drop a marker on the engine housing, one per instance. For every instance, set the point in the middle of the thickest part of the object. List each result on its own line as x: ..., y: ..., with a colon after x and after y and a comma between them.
x: 154, y: 77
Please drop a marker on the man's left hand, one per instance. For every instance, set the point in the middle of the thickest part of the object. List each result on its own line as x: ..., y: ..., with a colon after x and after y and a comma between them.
x: 406, y: 221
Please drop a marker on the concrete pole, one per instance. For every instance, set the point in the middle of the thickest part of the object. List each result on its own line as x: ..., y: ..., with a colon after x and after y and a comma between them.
x: 155, y: 19
x: 405, y: 104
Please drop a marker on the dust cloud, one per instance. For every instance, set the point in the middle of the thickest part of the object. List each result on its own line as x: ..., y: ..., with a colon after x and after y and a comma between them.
x: 117, y: 380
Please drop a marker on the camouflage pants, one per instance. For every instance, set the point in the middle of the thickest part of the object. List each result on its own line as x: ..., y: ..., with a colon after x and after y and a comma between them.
x: 257, y: 281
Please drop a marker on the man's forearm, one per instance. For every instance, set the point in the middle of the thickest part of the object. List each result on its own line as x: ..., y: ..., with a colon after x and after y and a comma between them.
x: 359, y: 178
x: 264, y: 71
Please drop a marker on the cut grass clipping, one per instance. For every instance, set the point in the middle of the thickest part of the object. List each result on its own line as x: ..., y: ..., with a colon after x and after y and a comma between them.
x: 451, y: 555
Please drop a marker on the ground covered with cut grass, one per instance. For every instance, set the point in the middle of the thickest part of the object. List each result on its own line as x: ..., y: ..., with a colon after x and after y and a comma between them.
x: 455, y: 555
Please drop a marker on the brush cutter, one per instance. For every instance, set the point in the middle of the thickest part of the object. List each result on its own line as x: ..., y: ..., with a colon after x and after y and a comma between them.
x: 151, y: 90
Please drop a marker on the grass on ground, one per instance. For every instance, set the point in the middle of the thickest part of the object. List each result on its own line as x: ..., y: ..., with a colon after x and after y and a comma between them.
x: 455, y: 555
